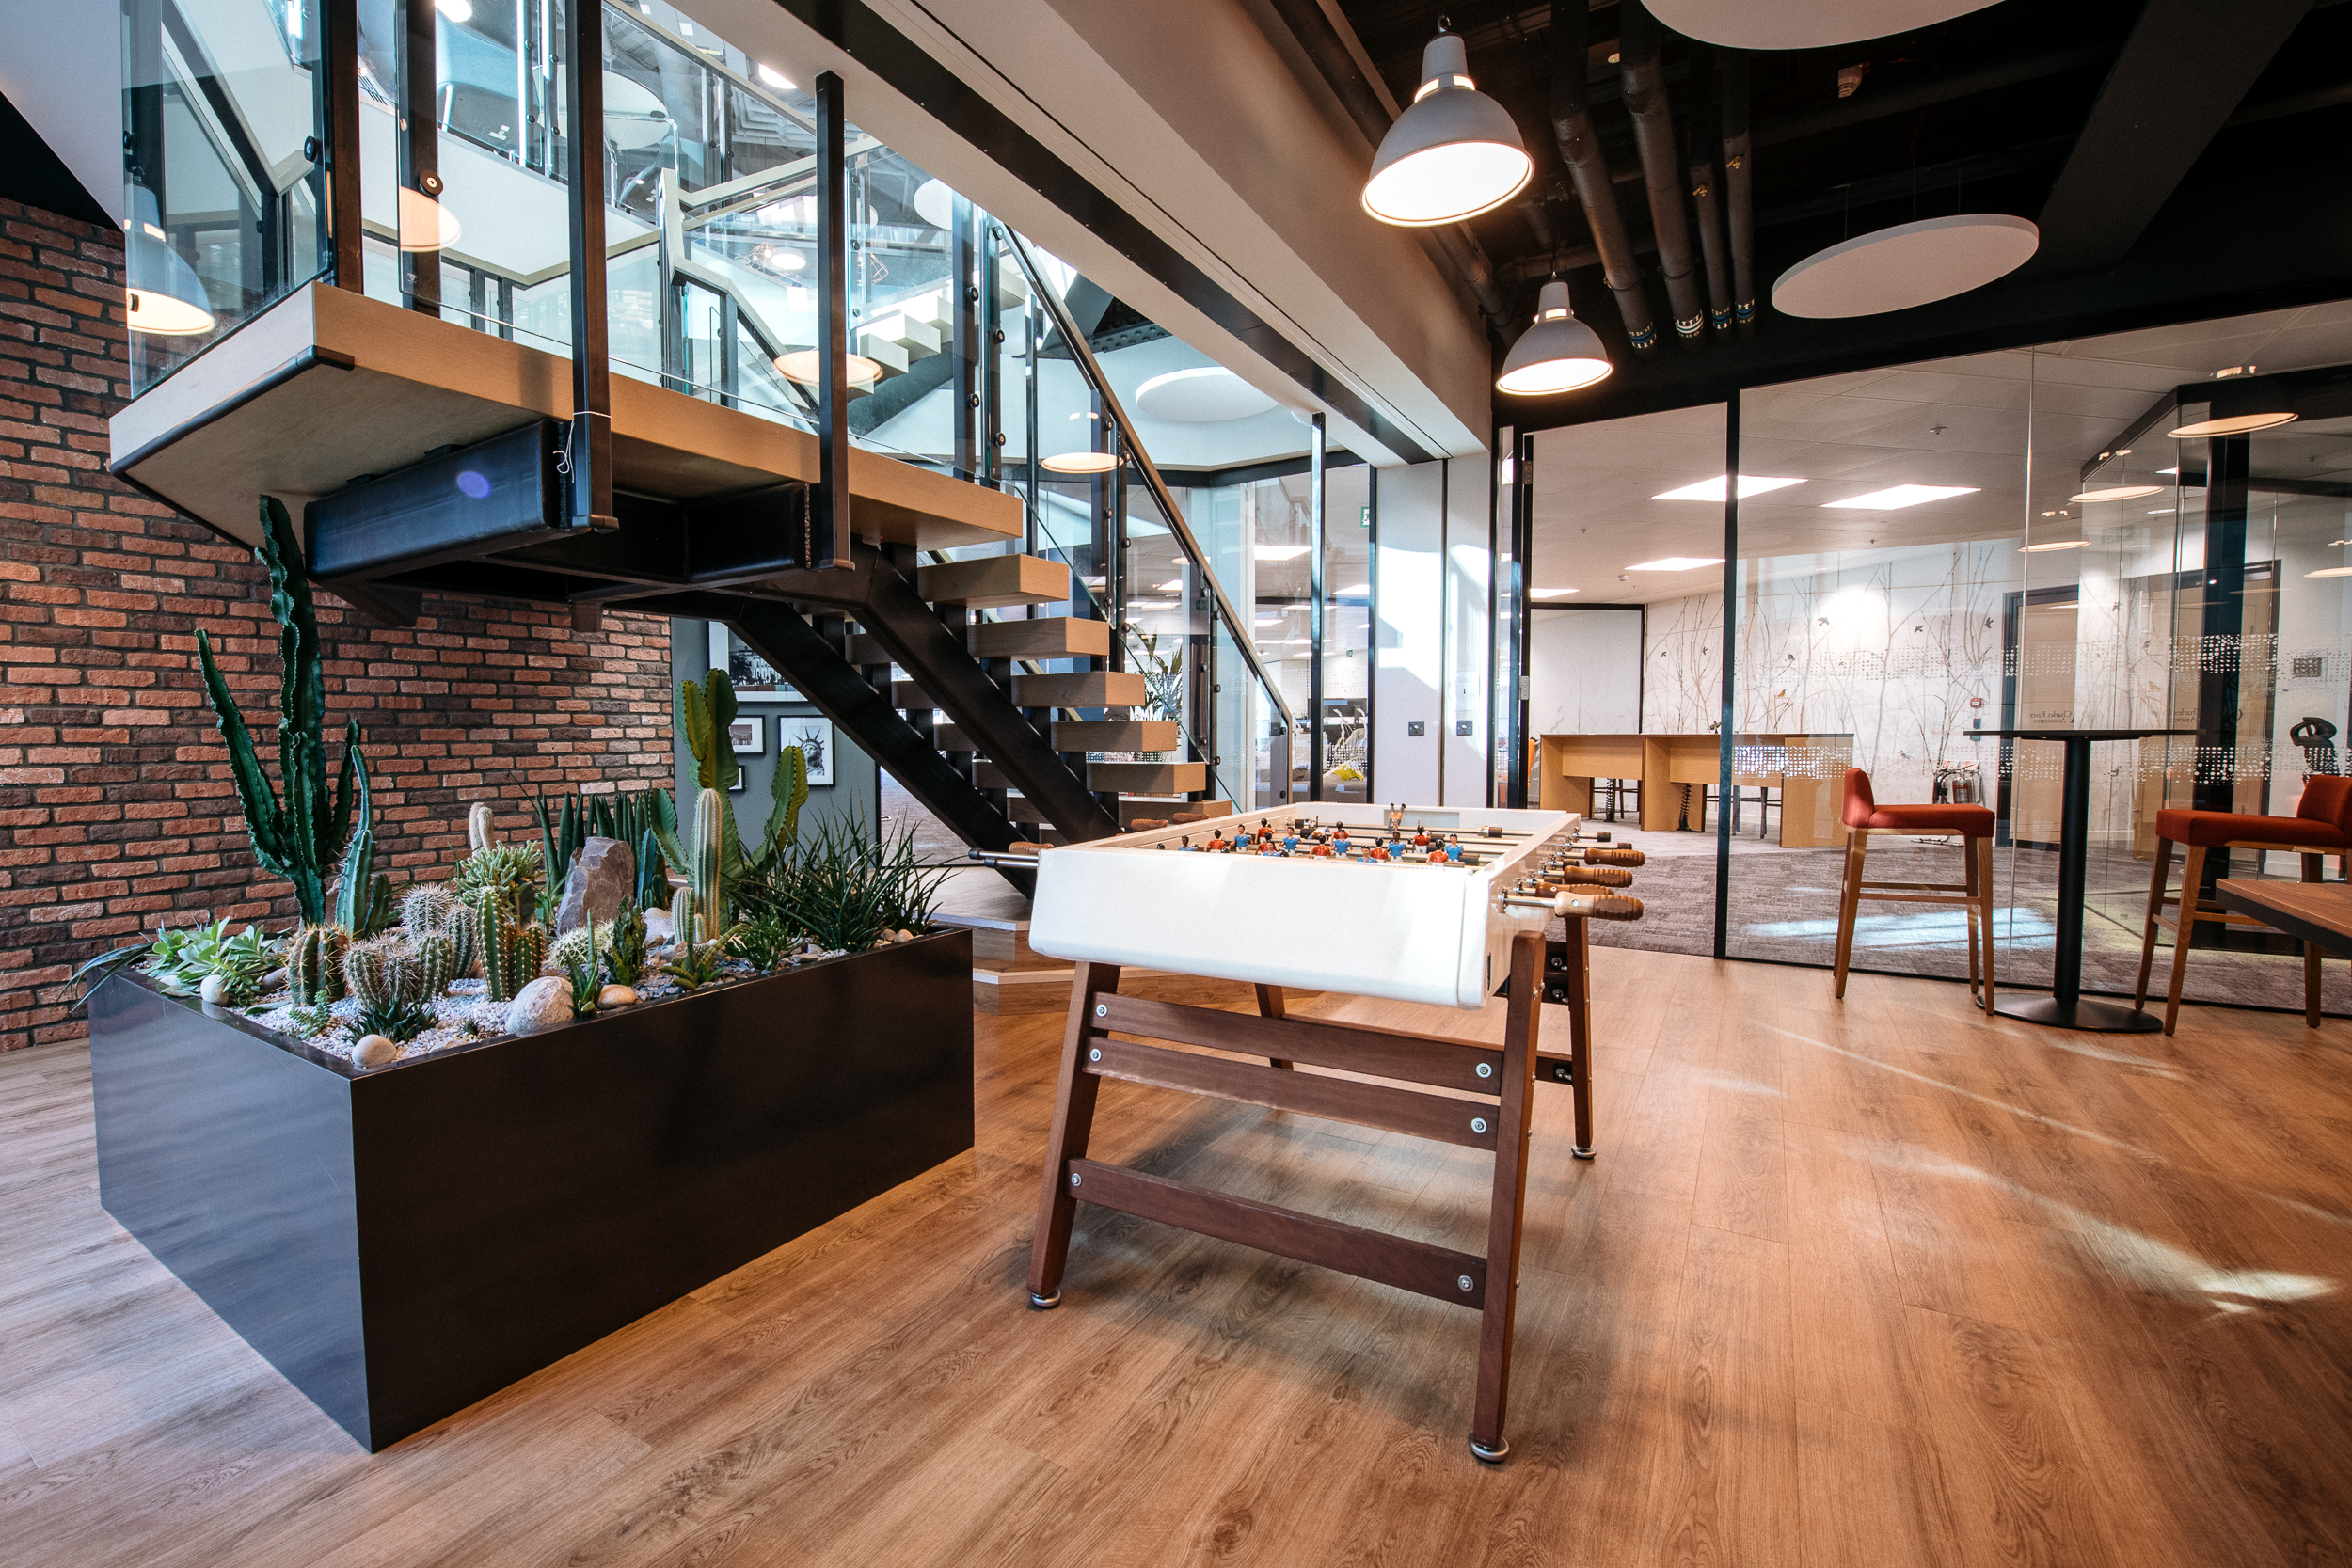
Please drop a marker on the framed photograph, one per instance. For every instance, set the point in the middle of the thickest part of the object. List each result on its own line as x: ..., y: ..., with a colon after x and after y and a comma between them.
x: 813, y: 737
x: 736, y: 788
x: 749, y: 736
x: 746, y: 669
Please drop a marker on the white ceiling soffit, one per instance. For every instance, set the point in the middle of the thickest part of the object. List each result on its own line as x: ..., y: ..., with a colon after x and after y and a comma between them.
x: 1803, y: 24
x: 62, y: 68
x: 1188, y: 118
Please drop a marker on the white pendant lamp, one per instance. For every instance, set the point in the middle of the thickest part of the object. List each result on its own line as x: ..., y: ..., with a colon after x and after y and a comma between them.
x: 803, y: 366
x: 1559, y: 353
x: 166, y: 296
x: 425, y: 223
x: 1803, y: 24
x: 1085, y: 460
x: 1453, y: 152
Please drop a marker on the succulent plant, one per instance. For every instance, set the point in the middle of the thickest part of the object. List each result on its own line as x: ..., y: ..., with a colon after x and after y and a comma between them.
x: 314, y: 964
x: 626, y: 951
x: 719, y: 856
x: 363, y: 896
x: 762, y: 942
x: 582, y: 968
x: 399, y: 1022
x: 507, y: 868
x: 696, y: 965
x: 686, y: 926
x: 296, y: 834
x: 182, y: 961
x: 512, y: 953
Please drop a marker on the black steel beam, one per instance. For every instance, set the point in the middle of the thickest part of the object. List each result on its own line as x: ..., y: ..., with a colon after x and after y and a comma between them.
x: 420, y: 147
x: 588, y: 449
x: 723, y: 543
x: 2183, y: 72
x: 337, y: 108
x: 828, y: 534
x: 455, y: 506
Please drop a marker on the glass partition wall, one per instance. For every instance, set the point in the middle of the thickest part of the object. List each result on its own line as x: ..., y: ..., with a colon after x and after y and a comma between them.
x: 1929, y: 555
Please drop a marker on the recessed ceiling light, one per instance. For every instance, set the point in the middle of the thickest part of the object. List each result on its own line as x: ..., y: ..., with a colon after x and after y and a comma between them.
x: 771, y: 77
x: 2160, y: 511
x: 2119, y: 493
x: 1676, y: 563
x: 1713, y: 489
x: 1902, y: 495
x: 1282, y: 552
x: 1274, y: 620
x: 2232, y: 424
x: 2168, y: 470
x: 1553, y: 592
x: 2055, y: 544
x: 2330, y: 571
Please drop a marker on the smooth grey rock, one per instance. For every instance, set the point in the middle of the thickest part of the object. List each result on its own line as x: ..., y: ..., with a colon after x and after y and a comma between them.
x: 603, y: 876
x: 274, y: 980
x: 658, y: 926
x: 213, y: 990
x: 373, y: 1051
x: 541, y: 1004
x: 615, y: 996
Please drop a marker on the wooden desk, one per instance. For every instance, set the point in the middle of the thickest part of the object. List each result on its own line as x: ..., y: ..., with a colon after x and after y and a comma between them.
x: 1674, y: 768
x: 2318, y: 913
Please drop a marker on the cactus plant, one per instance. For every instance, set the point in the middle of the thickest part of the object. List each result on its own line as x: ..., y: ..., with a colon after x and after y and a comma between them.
x: 479, y: 834
x: 653, y: 872
x: 584, y: 970
x: 363, y: 896
x: 506, y: 868
x: 626, y: 954
x: 314, y: 964
x: 512, y: 953
x: 695, y: 966
x: 685, y: 924
x: 703, y: 714
x: 296, y: 834
x: 430, y: 907
x: 708, y: 860
x: 383, y: 972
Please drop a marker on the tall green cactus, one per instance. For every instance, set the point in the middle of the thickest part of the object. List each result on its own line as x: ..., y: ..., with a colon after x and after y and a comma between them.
x: 512, y: 954
x: 791, y: 793
x: 296, y: 835
x: 707, y: 863
x: 703, y: 713
x: 363, y: 896
x: 314, y: 964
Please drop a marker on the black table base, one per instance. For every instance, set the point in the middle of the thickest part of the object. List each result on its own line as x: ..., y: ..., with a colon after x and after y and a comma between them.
x: 2081, y: 1012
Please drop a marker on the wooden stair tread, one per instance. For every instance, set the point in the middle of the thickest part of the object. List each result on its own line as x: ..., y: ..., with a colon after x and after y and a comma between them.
x: 1117, y: 734
x: 994, y: 581
x: 1081, y: 688
x: 1049, y: 637
x: 1155, y: 778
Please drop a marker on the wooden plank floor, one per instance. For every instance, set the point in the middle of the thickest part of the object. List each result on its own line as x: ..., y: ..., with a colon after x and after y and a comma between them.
x: 1878, y: 1283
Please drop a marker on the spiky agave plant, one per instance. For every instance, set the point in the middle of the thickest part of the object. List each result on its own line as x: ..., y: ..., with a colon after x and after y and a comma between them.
x: 297, y: 826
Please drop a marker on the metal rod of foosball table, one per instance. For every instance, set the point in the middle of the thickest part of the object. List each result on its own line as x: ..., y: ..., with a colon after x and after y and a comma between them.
x: 1598, y: 906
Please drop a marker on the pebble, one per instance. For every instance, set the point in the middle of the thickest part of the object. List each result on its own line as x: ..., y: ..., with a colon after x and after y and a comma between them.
x: 274, y: 980
x: 213, y: 992
x: 541, y: 1004
x: 615, y: 996
x: 373, y: 1051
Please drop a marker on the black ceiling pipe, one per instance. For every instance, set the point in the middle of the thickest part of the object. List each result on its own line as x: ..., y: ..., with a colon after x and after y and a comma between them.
x: 1337, y: 66
x: 1654, y: 138
x: 1705, y: 195
x: 1588, y: 171
x: 1739, y: 186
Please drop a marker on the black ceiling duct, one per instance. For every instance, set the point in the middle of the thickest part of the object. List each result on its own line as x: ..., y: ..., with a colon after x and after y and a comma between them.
x: 1654, y: 138
x: 1739, y: 186
x: 1588, y: 171
x: 1705, y: 195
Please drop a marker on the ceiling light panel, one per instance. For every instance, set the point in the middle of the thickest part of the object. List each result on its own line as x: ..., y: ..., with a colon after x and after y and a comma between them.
x: 1676, y: 563
x: 1901, y: 496
x: 1713, y: 489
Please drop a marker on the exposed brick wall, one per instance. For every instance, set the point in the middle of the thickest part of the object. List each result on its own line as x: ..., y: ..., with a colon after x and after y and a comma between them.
x: 117, y: 813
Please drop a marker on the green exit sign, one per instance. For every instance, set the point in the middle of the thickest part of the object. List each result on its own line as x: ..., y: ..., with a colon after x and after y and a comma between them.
x: 1363, y: 516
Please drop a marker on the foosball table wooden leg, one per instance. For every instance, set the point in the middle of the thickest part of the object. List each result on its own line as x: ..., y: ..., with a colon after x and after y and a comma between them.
x: 1073, y: 1122
x: 1507, y: 1213
x: 1270, y: 1005
x: 1581, y: 1031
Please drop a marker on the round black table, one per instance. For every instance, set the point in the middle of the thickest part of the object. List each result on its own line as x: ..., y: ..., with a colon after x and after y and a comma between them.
x: 2066, y: 1007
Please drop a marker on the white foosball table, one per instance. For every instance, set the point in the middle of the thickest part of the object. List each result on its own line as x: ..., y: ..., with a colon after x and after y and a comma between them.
x: 1440, y: 905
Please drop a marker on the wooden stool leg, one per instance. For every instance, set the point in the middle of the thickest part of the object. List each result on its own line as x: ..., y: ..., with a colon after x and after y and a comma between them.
x: 1509, y: 1208
x: 2310, y: 956
x: 1849, y: 901
x: 2192, y: 877
x: 1270, y: 1005
x: 1982, y: 849
x: 1973, y: 908
x: 1073, y: 1121
x: 1581, y: 1031
x: 2156, y: 913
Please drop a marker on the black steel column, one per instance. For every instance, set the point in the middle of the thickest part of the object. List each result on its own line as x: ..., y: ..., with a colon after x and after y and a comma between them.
x: 588, y: 449
x: 421, y: 151
x: 991, y: 361
x: 1318, y: 521
x: 2223, y: 624
x: 828, y: 545
x: 963, y: 268
x: 1727, y: 735
x: 1523, y: 547
x: 1115, y: 533
x: 337, y: 90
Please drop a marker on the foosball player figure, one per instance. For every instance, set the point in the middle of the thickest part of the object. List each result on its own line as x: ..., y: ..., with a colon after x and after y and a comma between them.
x: 1342, y: 843
x: 1322, y: 851
x: 1453, y: 850
x: 1421, y: 837
x: 1186, y: 843
x: 1290, y: 842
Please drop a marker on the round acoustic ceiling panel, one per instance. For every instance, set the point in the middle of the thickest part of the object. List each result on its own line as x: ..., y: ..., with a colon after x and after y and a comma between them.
x: 1803, y: 24
x: 1201, y: 396
x: 1912, y: 263
x: 935, y: 204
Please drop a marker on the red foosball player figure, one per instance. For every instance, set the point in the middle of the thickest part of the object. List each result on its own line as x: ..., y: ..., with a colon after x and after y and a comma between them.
x: 1377, y: 852
x: 1324, y: 851
x: 1420, y: 838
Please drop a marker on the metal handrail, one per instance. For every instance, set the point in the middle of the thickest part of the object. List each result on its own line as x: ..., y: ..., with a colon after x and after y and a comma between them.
x: 1082, y: 355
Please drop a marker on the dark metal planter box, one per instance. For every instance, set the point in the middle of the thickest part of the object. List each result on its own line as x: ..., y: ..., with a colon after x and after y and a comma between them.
x: 400, y: 1243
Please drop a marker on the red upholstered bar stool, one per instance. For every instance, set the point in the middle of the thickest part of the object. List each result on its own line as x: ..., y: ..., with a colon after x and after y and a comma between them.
x: 2321, y: 826
x: 1863, y: 816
